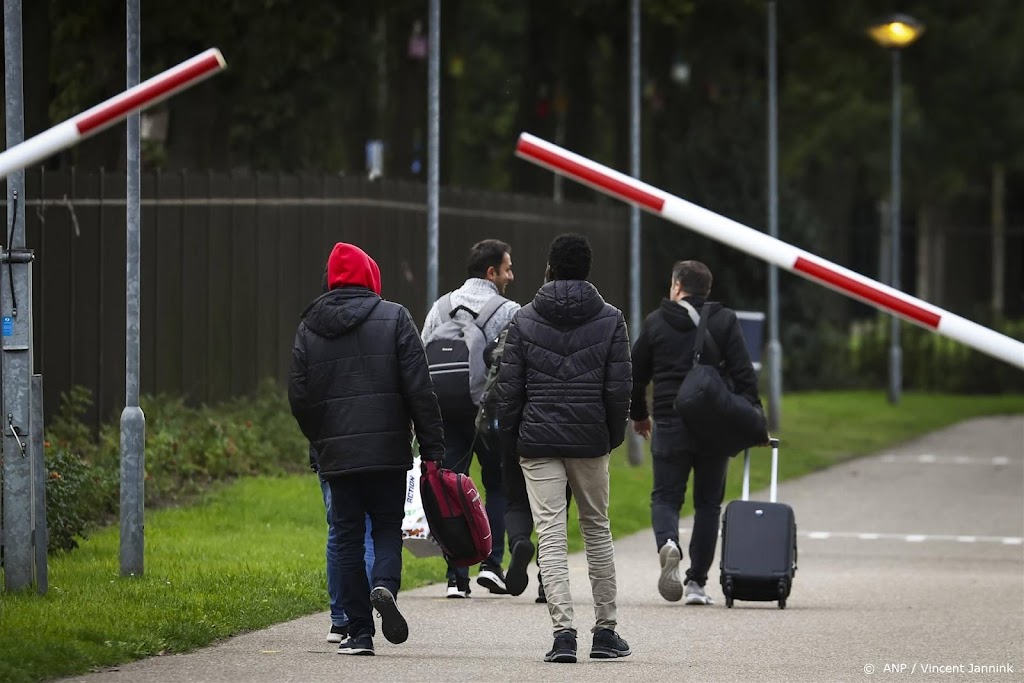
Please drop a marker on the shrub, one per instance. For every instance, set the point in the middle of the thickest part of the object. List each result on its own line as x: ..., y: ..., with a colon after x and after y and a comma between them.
x: 932, y: 362
x: 188, y: 450
x: 78, y: 497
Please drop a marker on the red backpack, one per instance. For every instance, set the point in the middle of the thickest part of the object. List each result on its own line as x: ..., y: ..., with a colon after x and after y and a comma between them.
x: 455, y: 515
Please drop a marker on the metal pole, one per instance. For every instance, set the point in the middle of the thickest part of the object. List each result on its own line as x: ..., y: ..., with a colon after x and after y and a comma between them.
x: 895, y: 352
x: 433, y: 135
x: 774, y: 345
x: 40, y: 531
x: 635, y: 447
x: 133, y: 421
x: 16, y: 305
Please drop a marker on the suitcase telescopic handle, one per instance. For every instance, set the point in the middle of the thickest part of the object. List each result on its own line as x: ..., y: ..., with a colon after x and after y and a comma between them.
x: 773, y: 491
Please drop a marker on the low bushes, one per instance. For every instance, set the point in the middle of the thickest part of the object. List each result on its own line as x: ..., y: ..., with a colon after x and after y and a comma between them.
x: 188, y: 449
x: 932, y: 362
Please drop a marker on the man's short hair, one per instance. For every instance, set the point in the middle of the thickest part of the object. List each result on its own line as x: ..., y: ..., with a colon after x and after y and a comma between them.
x: 570, y: 257
x: 484, y: 255
x: 694, y: 277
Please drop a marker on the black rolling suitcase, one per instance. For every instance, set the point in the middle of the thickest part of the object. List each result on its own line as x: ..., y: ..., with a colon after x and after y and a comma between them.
x: 758, y: 544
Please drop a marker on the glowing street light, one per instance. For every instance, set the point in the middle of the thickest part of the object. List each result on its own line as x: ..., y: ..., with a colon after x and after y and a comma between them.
x: 896, y: 31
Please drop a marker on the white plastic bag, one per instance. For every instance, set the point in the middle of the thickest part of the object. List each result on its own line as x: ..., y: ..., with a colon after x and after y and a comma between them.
x: 415, y: 532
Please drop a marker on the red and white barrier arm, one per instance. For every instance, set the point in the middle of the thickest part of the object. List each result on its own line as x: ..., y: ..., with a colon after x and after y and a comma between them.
x: 768, y: 248
x: 117, y: 108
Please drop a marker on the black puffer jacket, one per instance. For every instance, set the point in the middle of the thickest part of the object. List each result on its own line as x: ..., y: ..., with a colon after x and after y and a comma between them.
x: 564, y: 384
x: 358, y: 377
x: 664, y: 352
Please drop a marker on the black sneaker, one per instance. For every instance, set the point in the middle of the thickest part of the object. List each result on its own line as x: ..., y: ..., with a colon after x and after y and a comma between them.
x: 392, y: 623
x: 608, y: 645
x: 337, y: 634
x: 492, y: 578
x: 564, y: 649
x: 458, y: 588
x: 360, y: 644
x: 516, y: 579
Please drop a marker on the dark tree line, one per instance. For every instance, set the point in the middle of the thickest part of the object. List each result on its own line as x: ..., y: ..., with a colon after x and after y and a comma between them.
x: 310, y: 81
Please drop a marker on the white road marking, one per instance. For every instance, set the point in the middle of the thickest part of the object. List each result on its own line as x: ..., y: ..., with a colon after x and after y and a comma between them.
x: 906, y: 538
x: 930, y: 459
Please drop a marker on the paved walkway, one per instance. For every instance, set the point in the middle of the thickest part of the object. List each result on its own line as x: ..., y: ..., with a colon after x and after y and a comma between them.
x: 911, y: 564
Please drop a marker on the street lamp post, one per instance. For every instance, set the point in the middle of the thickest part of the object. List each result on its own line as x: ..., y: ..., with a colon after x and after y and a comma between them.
x: 774, y: 345
x: 895, y: 33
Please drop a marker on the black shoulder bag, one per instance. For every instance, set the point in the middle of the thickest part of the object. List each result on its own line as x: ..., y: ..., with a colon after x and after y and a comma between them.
x: 722, y: 421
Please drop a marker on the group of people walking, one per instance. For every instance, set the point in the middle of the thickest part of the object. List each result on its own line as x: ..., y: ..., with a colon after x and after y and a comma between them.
x: 365, y: 383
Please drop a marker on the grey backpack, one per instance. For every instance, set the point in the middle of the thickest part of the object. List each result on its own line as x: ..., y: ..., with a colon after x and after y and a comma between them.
x: 455, y: 356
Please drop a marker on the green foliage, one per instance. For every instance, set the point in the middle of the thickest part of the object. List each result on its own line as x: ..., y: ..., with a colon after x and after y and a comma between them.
x: 78, y: 496
x: 188, y: 449
x: 931, y: 362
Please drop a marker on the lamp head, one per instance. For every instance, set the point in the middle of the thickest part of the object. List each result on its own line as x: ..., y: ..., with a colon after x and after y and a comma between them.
x: 896, y: 31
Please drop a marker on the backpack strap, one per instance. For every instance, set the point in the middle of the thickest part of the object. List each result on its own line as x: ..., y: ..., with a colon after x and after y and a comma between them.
x: 488, y: 310
x: 702, y: 329
x: 444, y: 307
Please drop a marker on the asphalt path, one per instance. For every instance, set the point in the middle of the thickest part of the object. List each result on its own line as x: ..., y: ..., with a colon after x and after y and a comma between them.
x: 911, y: 566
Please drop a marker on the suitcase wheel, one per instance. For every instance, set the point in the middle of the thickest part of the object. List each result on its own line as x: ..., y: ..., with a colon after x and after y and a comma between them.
x: 782, y: 595
x: 727, y: 589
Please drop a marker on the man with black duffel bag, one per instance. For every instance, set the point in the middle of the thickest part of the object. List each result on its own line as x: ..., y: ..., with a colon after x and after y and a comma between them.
x: 663, y: 352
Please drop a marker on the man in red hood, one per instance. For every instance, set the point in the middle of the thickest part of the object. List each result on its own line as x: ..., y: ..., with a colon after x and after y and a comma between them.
x: 358, y: 380
x: 350, y: 266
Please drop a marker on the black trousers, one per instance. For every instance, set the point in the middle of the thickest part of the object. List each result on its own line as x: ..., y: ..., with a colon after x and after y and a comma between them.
x: 675, y: 456
x: 381, y: 495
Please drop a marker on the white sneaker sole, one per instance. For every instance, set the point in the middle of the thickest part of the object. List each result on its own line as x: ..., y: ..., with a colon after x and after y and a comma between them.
x: 699, y: 600
x: 334, y: 638
x: 456, y: 593
x: 491, y: 582
x: 669, y: 585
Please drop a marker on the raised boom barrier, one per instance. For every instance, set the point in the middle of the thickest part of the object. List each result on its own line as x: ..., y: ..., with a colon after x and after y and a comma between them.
x: 107, y: 113
x: 768, y: 248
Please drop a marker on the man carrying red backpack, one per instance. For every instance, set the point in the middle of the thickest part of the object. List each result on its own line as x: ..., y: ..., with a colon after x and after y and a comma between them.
x: 460, y: 329
x: 358, y: 380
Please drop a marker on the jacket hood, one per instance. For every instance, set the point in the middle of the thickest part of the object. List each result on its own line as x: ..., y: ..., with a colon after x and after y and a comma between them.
x: 340, y: 310
x: 677, y: 316
x: 568, y: 302
x: 350, y: 266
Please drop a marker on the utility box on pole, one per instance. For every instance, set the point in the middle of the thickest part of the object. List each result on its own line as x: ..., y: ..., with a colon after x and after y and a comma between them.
x: 752, y: 324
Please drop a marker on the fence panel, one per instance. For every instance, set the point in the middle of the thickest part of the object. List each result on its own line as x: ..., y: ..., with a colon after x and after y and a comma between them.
x: 229, y: 261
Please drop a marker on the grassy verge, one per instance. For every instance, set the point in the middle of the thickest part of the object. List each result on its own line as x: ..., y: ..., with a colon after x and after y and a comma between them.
x: 251, y: 554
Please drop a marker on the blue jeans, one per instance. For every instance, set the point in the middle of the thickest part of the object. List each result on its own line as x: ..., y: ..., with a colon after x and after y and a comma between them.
x: 338, y: 617
x: 458, y: 439
x: 675, y: 455
x: 381, y: 496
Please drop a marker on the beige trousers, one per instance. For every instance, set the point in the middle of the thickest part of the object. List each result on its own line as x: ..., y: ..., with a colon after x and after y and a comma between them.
x: 545, y: 483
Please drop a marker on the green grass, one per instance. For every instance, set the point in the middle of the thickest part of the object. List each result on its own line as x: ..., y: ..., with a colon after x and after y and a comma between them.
x: 251, y: 554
